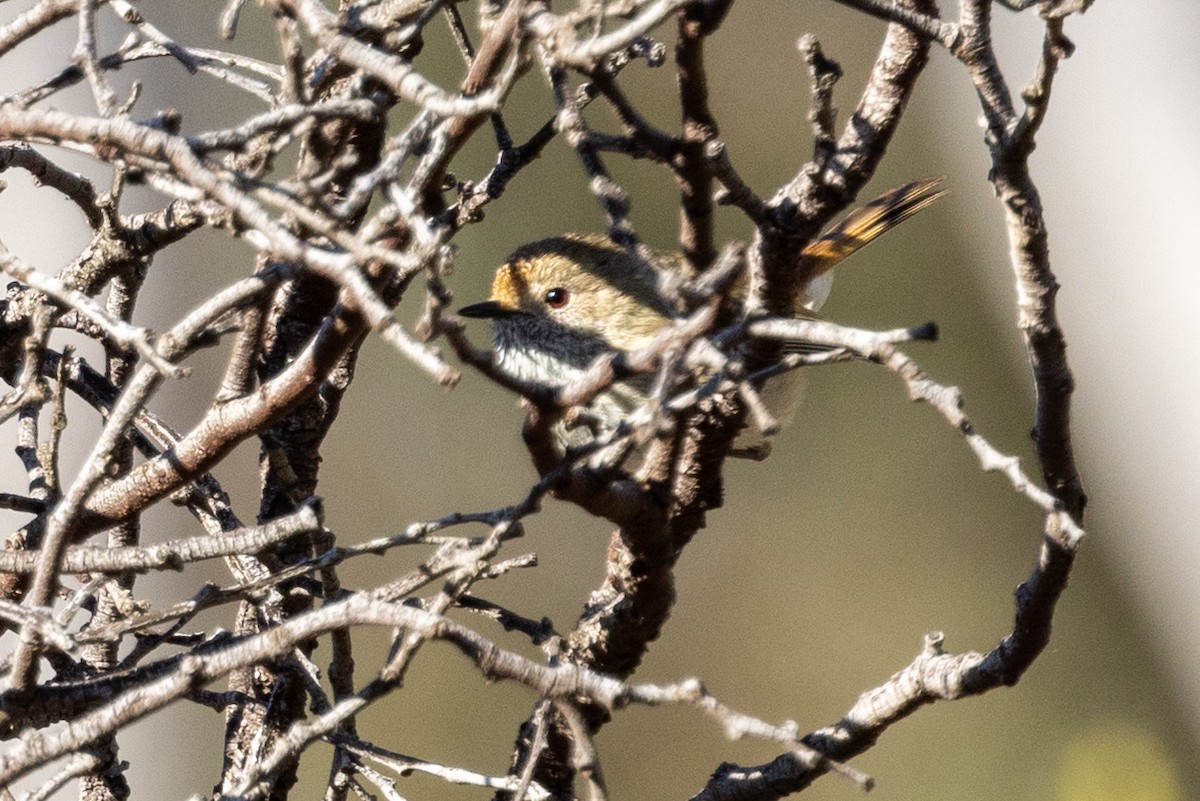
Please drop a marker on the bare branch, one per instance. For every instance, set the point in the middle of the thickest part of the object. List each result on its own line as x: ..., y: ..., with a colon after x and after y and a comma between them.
x: 391, y: 70
x: 346, y: 182
x: 172, y: 554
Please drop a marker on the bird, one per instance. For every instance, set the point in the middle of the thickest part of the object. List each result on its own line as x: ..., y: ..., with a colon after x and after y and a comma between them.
x: 559, y: 303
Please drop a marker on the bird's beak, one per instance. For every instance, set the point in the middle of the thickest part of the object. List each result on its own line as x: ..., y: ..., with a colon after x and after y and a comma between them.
x: 488, y: 310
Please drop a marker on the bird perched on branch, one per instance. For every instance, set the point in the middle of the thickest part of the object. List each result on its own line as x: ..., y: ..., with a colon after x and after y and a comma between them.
x: 558, y: 303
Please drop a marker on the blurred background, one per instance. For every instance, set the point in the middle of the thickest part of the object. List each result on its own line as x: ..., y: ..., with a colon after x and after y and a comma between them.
x: 871, y: 523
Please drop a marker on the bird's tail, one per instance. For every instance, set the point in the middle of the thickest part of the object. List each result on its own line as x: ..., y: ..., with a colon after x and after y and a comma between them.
x: 869, y: 222
x: 863, y: 225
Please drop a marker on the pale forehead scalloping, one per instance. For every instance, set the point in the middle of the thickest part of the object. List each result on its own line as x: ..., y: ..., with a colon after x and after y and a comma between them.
x: 574, y: 260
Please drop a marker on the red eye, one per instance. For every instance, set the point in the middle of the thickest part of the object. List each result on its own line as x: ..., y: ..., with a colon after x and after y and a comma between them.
x: 557, y: 297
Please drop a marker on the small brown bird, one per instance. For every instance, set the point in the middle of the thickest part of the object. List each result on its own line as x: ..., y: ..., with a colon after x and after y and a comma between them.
x: 558, y: 303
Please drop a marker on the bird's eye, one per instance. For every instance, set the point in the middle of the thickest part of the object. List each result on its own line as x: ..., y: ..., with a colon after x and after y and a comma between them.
x: 557, y: 297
